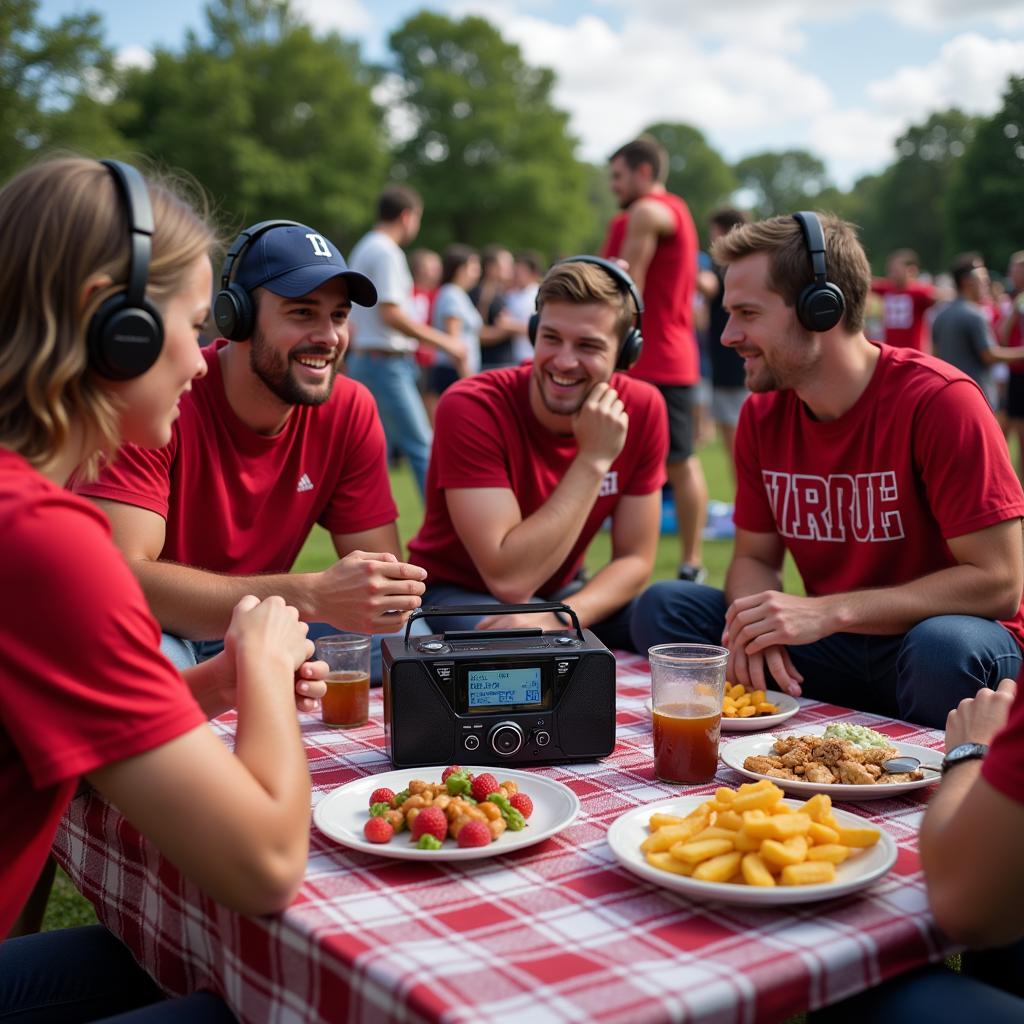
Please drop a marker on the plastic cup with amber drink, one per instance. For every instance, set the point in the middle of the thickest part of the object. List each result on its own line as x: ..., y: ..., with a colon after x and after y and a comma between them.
x: 687, y: 687
x: 347, y: 701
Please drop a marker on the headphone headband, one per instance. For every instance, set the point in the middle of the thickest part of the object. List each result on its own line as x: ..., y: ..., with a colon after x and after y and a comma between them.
x: 135, y: 196
x: 243, y: 241
x: 814, y: 239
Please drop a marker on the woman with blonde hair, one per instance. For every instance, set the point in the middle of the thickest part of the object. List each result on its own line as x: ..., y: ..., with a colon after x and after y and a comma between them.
x: 105, y: 283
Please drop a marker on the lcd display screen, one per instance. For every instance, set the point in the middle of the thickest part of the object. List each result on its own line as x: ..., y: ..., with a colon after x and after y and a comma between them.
x: 497, y: 687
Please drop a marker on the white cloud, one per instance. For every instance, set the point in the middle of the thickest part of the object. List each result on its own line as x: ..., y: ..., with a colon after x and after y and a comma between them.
x: 348, y: 17
x: 134, y: 57
x: 970, y: 73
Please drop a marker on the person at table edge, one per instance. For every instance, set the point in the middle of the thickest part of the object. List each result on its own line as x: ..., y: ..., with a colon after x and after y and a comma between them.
x: 270, y: 441
x: 529, y: 461
x: 881, y: 471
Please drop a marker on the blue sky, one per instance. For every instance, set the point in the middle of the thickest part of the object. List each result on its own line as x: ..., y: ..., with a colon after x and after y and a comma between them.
x: 842, y: 79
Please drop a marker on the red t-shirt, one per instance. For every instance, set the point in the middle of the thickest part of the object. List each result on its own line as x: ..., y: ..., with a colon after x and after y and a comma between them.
x: 82, y: 680
x: 1003, y: 766
x: 486, y: 435
x: 670, y: 354
x: 903, y: 312
x: 1016, y: 338
x: 422, y: 312
x: 869, y: 499
x: 239, y: 502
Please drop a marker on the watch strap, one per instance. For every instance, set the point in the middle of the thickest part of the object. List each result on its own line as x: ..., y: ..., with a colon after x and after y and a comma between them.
x: 963, y: 752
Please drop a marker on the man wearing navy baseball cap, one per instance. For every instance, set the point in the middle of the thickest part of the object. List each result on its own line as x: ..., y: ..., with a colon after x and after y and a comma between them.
x: 270, y: 441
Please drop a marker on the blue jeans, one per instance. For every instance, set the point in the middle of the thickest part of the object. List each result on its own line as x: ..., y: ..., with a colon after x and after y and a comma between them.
x: 85, y: 974
x: 989, y: 989
x: 392, y: 381
x: 919, y: 676
x: 184, y: 654
x: 612, y: 631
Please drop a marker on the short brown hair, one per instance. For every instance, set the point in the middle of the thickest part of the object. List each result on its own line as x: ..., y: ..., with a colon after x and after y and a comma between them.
x: 64, y: 223
x: 579, y: 282
x: 789, y: 264
x: 395, y: 200
x: 645, y: 149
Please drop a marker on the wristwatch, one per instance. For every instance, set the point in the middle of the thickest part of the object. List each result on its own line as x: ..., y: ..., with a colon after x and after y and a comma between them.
x: 963, y: 752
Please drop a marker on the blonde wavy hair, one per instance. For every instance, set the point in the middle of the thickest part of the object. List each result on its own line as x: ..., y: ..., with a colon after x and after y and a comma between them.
x: 63, y: 223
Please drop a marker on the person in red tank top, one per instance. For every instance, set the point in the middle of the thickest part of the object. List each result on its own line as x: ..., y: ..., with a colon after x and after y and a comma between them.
x: 655, y: 235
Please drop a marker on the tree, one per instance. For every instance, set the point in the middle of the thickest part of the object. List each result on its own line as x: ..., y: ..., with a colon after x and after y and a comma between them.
x: 486, y: 148
x: 782, y: 182
x: 985, y: 209
x: 696, y: 171
x: 274, y: 120
x: 54, y: 83
x: 908, y: 207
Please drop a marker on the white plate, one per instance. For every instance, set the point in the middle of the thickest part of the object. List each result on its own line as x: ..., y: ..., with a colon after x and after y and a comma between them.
x: 629, y: 830
x: 344, y: 811
x: 735, y: 753
x: 788, y: 707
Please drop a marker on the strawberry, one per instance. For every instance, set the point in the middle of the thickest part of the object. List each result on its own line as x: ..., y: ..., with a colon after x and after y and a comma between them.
x: 430, y: 821
x: 382, y: 796
x: 483, y: 786
x: 448, y: 771
x: 378, y: 830
x: 522, y: 803
x: 474, y: 833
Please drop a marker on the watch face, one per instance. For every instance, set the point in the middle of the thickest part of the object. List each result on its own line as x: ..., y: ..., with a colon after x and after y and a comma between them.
x: 964, y: 752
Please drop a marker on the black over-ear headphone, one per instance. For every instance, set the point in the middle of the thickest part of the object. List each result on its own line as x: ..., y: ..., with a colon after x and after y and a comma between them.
x: 632, y: 342
x: 821, y: 304
x: 233, y: 311
x: 126, y: 334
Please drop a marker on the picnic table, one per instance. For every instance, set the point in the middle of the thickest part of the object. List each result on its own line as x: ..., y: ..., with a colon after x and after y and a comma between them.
x: 557, y: 932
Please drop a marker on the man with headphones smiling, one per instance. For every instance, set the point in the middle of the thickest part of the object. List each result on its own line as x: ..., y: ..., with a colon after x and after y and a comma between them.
x: 269, y: 442
x: 529, y: 461
x: 881, y: 471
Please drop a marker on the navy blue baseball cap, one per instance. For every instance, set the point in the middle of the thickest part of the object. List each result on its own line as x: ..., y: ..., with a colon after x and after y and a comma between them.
x: 295, y: 260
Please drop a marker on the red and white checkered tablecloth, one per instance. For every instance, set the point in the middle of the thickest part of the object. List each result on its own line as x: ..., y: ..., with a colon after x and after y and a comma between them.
x: 553, y: 933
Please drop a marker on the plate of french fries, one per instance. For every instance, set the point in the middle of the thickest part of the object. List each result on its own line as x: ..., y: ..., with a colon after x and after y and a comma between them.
x: 745, y: 709
x: 752, y: 846
x: 781, y: 755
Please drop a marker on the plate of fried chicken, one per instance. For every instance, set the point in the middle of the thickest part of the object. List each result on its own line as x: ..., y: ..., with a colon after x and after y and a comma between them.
x: 810, y: 762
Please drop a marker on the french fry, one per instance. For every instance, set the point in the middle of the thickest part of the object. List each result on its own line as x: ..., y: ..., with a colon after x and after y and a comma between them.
x: 811, y: 872
x: 661, y: 820
x: 720, y: 868
x: 858, y: 837
x: 666, y: 862
x: 694, y: 853
x: 834, y: 852
x: 671, y: 834
x: 755, y: 872
x: 822, y: 834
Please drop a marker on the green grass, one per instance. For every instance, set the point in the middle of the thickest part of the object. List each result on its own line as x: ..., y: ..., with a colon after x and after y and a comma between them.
x: 67, y: 908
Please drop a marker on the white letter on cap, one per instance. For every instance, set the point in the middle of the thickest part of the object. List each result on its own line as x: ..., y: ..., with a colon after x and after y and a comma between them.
x: 320, y: 246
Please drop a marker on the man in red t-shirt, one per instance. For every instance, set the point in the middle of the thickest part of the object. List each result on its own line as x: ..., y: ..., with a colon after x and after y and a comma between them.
x: 529, y: 461
x: 269, y: 442
x: 656, y: 237
x: 881, y: 471
x: 904, y: 302
x: 1011, y: 334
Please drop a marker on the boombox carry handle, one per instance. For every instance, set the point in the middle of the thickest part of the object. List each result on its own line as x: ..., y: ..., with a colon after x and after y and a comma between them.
x: 436, y: 611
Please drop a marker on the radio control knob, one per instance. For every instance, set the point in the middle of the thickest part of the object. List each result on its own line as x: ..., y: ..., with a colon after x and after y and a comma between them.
x: 542, y: 737
x: 471, y: 742
x: 565, y: 641
x: 432, y: 645
x: 506, y: 739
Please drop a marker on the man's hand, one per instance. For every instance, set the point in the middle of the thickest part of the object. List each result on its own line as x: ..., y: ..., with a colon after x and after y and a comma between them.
x: 271, y: 629
x: 524, y: 620
x: 360, y: 591
x: 749, y: 669
x: 977, y: 719
x: 601, y: 424
x: 759, y: 621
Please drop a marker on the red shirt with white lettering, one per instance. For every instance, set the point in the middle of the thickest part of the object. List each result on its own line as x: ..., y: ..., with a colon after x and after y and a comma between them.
x: 82, y: 681
x: 903, y: 310
x: 240, y: 502
x: 869, y: 499
x: 486, y: 435
x: 670, y: 354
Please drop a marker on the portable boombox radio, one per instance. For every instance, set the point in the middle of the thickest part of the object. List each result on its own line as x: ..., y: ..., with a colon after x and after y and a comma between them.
x: 498, y: 697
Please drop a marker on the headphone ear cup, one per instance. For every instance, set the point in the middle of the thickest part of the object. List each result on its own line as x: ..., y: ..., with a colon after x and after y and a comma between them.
x: 630, y: 349
x: 531, y: 327
x: 233, y: 313
x: 124, y: 341
x: 820, y: 307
